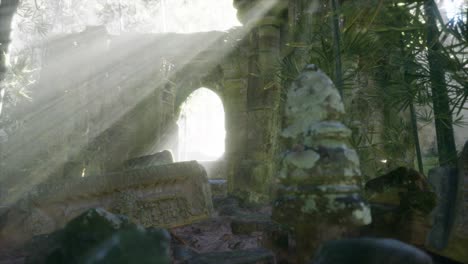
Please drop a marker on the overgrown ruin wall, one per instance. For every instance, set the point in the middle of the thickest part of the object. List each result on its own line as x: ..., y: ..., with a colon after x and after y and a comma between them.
x: 135, y: 84
x: 128, y: 105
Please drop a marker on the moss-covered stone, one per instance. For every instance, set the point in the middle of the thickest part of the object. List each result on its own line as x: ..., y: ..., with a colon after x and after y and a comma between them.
x: 98, y: 236
x: 320, y: 175
x: 249, y: 256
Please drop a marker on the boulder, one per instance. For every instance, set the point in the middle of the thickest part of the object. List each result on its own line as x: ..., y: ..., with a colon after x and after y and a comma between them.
x: 97, y: 236
x: 369, y: 251
x: 248, y: 256
x: 401, y: 203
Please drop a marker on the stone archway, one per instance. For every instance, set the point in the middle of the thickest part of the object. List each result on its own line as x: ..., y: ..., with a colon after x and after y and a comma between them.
x: 201, y: 125
x: 214, y: 164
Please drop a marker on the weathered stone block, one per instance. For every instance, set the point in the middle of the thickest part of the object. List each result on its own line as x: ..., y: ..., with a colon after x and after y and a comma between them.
x: 319, y: 177
x: 236, y: 132
x: 235, y: 93
x: 261, y: 133
x: 401, y: 201
x: 165, y: 196
x: 251, y: 181
x: 160, y: 158
x: 237, y: 66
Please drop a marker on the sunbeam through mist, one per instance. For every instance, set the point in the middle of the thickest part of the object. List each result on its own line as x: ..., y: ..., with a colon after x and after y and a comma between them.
x: 96, y: 91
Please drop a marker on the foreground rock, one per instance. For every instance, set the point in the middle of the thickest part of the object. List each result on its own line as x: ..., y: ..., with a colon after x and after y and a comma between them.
x: 451, y: 218
x: 249, y: 256
x: 98, y: 236
x: 370, y: 251
x: 401, y: 202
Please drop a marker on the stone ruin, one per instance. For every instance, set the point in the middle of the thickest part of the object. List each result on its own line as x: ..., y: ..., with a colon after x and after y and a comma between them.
x: 319, y: 181
x: 320, y: 175
x: 429, y: 212
x: 160, y: 158
x: 166, y: 195
x: 319, y: 184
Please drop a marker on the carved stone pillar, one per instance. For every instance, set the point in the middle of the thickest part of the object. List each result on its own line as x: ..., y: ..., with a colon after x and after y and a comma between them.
x: 253, y: 177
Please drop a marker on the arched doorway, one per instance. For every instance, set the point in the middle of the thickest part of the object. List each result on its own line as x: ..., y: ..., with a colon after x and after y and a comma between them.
x: 201, y: 127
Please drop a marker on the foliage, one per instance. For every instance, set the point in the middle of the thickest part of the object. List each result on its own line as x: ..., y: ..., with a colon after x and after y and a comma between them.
x: 16, y: 90
x: 385, y: 68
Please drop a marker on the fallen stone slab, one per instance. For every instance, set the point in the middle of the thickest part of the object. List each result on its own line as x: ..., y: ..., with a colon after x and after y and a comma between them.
x: 249, y: 256
x: 160, y: 158
x: 165, y: 196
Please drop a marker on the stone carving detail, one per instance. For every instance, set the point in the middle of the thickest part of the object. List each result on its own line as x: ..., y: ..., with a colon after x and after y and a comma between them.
x: 164, y: 196
x: 172, y: 210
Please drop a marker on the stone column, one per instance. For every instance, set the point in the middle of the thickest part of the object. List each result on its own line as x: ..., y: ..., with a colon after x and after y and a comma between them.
x: 234, y: 94
x: 319, y: 190
x: 253, y: 180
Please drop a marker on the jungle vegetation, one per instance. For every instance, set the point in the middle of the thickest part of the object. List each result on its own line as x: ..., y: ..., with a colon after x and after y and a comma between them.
x: 402, y: 59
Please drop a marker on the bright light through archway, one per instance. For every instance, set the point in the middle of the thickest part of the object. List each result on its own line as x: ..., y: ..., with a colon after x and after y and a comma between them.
x: 201, y: 127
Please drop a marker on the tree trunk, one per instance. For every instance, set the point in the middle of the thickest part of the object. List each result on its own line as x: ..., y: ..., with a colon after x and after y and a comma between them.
x: 337, y: 46
x: 7, y: 10
x: 440, y: 98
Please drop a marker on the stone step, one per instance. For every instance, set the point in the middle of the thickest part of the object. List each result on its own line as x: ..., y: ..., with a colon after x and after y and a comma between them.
x: 249, y: 256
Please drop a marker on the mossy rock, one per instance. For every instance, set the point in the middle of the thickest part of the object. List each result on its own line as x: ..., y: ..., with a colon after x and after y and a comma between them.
x: 97, y: 236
